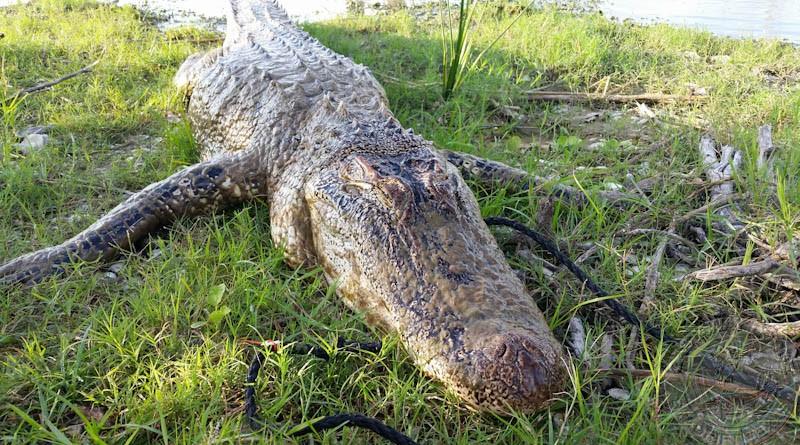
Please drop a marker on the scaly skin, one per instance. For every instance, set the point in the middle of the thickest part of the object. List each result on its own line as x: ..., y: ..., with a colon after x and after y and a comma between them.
x: 285, y: 120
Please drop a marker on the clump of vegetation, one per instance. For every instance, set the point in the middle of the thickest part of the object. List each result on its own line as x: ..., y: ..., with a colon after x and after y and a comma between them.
x: 153, y: 350
x: 458, y: 58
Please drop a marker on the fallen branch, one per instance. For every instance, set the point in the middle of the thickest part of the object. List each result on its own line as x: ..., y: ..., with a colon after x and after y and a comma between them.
x: 791, y: 281
x: 569, y: 96
x: 579, y: 197
x: 577, y: 337
x: 666, y: 233
x: 587, y: 254
x: 714, y: 204
x: 790, y: 329
x: 786, y: 251
x: 49, y: 84
x: 727, y: 272
x: 674, y: 377
x: 720, y: 169
x: 652, y: 276
x: 765, y: 148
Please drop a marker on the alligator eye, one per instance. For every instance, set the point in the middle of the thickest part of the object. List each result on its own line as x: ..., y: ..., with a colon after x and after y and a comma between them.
x: 356, y: 187
x: 420, y: 165
x: 431, y: 168
x: 358, y: 170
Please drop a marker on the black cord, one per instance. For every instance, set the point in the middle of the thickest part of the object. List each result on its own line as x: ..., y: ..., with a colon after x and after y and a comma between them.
x: 250, y: 406
x: 550, y: 246
x: 350, y: 345
x: 762, y: 383
x: 328, y: 422
x: 360, y: 421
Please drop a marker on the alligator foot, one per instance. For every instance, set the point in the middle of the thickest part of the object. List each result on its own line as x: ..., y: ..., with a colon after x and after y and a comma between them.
x: 193, y: 191
x: 490, y: 173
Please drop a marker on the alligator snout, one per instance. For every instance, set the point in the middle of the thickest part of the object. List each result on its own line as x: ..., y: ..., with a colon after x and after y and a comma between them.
x: 403, y: 237
x: 515, y: 374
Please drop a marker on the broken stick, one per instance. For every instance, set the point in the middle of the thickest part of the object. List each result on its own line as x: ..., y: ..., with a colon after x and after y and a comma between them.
x: 569, y: 96
x: 728, y: 272
x: 790, y: 329
x: 674, y: 377
x: 765, y: 148
x: 49, y: 84
x: 720, y: 170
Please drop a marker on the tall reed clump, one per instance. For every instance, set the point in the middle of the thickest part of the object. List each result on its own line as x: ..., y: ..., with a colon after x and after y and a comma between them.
x: 458, y: 58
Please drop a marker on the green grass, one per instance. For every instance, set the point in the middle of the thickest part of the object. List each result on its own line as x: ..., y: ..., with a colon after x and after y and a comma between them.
x: 88, y: 358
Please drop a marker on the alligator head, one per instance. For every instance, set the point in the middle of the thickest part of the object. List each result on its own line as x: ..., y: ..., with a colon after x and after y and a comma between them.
x: 402, y: 236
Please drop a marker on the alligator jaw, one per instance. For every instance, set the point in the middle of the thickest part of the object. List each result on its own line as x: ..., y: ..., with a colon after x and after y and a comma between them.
x: 402, y: 236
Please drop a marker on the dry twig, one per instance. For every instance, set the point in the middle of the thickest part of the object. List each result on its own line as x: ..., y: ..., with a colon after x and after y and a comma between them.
x: 786, y: 251
x: 39, y: 87
x: 665, y: 233
x: 675, y: 377
x: 720, y: 169
x: 577, y: 336
x: 569, y: 96
x: 790, y: 329
x: 765, y: 149
x: 715, y: 204
x: 728, y: 272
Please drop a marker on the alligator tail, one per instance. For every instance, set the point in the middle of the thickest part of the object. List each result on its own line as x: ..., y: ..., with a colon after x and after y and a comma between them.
x: 246, y: 19
x: 254, y: 17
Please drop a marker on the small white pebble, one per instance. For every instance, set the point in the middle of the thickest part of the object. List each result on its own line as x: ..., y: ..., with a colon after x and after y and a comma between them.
x: 577, y: 337
x: 692, y: 56
x: 596, y: 145
x: 697, y: 90
x: 619, y: 394
x: 591, y: 117
x: 644, y: 111
x: 720, y: 59
x: 33, y: 142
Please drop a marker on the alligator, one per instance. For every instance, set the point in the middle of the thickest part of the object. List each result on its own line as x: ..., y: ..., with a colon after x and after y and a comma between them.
x: 388, y: 217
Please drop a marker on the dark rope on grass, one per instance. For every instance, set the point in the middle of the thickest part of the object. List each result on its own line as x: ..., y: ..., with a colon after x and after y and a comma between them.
x: 620, y: 309
x: 250, y: 405
x: 360, y: 421
x: 328, y: 422
x: 761, y: 383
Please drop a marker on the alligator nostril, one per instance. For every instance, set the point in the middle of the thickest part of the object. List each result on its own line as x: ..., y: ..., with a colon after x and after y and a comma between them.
x: 534, y: 373
x: 518, y: 373
x: 501, y: 350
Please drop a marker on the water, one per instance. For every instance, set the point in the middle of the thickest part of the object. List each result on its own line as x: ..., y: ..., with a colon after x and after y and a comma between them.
x: 778, y: 19
x: 737, y: 18
x: 213, y: 12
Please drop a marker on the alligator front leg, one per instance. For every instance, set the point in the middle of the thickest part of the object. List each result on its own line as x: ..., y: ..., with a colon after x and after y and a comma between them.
x: 487, y: 172
x: 490, y: 174
x: 193, y: 191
